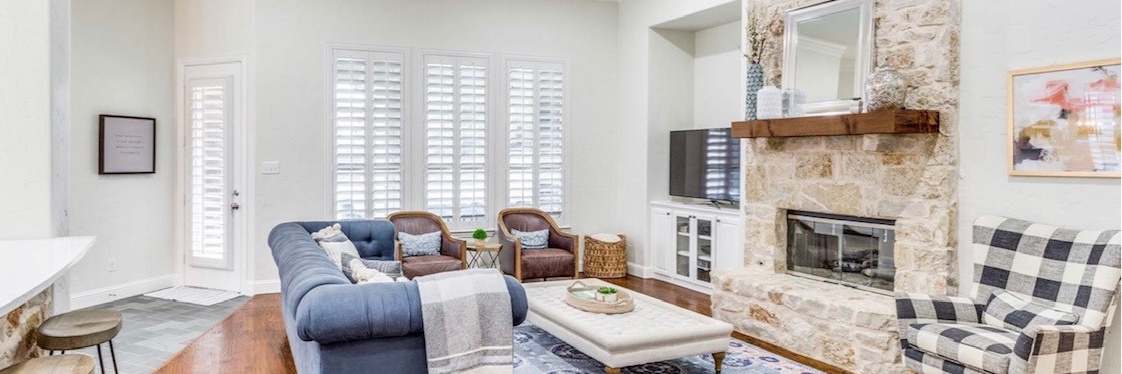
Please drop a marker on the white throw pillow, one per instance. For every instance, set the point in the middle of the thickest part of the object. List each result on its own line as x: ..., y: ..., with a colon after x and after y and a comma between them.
x: 363, y: 274
x: 533, y: 239
x: 335, y: 251
x: 419, y: 245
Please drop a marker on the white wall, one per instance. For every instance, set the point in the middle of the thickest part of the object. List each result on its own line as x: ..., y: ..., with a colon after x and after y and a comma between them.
x: 287, y: 41
x: 638, y: 176
x: 989, y: 50
x: 122, y: 64
x: 25, y: 120
x: 717, y: 64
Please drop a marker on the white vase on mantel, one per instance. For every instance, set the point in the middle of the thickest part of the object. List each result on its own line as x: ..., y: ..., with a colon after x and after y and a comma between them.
x: 769, y: 103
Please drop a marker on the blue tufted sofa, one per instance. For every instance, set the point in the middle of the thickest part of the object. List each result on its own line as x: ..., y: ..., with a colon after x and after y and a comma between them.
x: 334, y: 326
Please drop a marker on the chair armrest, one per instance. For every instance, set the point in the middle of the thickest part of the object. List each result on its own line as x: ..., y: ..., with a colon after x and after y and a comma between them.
x: 914, y: 308
x: 1058, y: 349
x: 508, y: 255
x: 562, y: 240
x: 454, y: 247
x: 397, y: 250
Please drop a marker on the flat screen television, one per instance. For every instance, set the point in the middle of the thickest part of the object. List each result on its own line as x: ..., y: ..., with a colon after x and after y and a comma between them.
x: 705, y: 164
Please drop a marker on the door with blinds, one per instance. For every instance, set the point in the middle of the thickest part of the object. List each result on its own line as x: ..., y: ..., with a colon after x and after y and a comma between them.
x: 213, y: 158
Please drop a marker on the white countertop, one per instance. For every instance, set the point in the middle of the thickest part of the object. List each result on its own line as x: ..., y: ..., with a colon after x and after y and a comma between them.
x: 27, y: 267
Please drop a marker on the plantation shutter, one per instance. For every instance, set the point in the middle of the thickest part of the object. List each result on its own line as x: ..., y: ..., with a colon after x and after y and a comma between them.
x: 208, y: 100
x: 368, y: 114
x: 536, y: 120
x: 455, y: 109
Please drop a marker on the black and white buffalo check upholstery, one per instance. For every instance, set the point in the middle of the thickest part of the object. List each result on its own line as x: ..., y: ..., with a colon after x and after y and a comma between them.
x: 1058, y: 285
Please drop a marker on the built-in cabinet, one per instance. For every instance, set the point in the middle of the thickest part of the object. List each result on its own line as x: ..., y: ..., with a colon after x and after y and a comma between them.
x: 689, y: 241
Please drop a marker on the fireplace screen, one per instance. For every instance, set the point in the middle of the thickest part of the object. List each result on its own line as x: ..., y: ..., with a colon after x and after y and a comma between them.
x: 851, y: 251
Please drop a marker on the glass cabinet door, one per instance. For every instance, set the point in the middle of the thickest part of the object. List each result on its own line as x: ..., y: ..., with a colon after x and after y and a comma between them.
x: 704, y: 248
x: 684, y: 231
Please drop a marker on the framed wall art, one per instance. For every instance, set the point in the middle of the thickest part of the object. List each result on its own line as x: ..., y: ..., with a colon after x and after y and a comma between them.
x: 1064, y: 120
x: 127, y: 145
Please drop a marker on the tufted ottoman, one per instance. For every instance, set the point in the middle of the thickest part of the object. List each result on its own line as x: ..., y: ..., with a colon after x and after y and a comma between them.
x: 654, y: 331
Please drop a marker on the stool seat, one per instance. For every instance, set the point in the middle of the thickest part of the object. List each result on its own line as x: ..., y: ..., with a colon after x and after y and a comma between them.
x: 79, y: 329
x: 63, y: 364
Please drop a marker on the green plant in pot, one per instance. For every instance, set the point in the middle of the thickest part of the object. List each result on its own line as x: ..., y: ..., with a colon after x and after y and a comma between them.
x: 607, y: 294
x: 480, y: 235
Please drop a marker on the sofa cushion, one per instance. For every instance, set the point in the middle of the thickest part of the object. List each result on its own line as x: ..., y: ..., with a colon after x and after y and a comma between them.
x: 427, y: 244
x: 372, y: 238
x: 533, y: 239
x: 424, y: 265
x: 978, y: 346
x: 548, y: 262
x: 1017, y: 312
x: 391, y: 269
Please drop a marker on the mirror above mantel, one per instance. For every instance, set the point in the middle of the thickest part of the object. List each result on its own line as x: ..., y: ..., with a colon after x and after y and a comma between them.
x: 827, y: 54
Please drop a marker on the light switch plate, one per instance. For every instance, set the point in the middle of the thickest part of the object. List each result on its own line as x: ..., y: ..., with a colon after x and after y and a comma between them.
x: 270, y: 167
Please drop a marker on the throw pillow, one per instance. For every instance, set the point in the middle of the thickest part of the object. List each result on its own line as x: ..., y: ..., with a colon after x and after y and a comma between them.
x: 389, y: 268
x: 333, y: 233
x: 1016, y: 312
x: 533, y: 239
x: 361, y: 274
x: 336, y: 250
x: 419, y: 245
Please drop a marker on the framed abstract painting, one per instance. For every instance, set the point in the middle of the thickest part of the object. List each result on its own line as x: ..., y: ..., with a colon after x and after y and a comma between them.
x: 1064, y: 120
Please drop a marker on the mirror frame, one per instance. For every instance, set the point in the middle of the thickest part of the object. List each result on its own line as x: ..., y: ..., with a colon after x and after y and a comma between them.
x: 864, y: 55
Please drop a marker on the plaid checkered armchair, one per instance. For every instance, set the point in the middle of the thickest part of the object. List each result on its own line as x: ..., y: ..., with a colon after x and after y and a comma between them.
x: 1040, y: 302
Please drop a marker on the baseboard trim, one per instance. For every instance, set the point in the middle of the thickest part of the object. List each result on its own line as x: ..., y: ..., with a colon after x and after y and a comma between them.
x: 116, y: 292
x: 265, y: 286
x: 639, y: 270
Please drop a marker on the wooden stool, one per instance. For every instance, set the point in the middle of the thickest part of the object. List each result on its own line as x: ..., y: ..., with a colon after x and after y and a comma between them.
x: 62, y: 364
x: 80, y: 329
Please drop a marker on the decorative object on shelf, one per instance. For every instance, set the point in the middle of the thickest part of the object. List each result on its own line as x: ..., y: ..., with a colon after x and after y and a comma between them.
x: 1064, y: 120
x: 855, y: 108
x: 769, y: 103
x: 760, y: 22
x: 126, y: 145
x: 755, y: 83
x: 885, y: 89
x: 480, y: 236
x: 589, y: 299
x: 793, y: 100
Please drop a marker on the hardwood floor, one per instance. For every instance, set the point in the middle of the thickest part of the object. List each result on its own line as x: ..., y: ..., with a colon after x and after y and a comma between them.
x: 252, y: 339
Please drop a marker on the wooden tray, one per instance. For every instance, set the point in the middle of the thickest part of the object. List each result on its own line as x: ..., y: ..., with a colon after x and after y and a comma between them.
x: 577, y: 297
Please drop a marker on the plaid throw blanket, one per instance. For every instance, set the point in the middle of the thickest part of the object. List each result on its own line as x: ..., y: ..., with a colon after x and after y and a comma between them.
x: 467, y: 321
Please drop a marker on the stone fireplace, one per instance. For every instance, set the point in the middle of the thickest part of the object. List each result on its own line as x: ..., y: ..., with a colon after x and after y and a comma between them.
x: 850, y: 251
x: 909, y: 181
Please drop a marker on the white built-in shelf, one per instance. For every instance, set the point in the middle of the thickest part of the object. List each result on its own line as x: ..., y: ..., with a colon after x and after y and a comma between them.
x: 684, y: 253
x: 705, y: 258
x: 704, y: 237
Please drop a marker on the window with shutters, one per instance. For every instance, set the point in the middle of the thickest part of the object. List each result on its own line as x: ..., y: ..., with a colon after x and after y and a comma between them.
x: 368, y: 101
x: 535, y: 105
x: 455, y: 136
x: 208, y: 115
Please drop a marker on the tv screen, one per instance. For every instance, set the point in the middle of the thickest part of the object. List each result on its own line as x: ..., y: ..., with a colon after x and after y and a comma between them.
x: 705, y: 164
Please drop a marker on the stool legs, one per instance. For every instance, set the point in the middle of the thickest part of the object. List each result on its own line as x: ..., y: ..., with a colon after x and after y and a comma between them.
x: 99, y: 360
x: 113, y: 354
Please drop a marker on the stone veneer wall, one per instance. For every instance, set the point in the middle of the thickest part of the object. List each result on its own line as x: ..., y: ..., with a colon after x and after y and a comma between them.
x: 909, y: 178
x: 17, y: 329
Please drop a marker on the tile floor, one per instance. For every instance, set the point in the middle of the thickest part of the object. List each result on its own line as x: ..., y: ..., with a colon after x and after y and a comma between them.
x: 156, y: 329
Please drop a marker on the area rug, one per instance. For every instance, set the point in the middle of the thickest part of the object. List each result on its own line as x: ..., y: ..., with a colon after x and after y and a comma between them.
x: 193, y: 295
x: 536, y: 351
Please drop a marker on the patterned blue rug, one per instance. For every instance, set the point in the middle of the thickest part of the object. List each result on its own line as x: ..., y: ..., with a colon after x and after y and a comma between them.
x: 536, y: 351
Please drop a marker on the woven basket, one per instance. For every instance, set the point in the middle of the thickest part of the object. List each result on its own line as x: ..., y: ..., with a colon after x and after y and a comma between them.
x: 623, y: 303
x: 604, y: 259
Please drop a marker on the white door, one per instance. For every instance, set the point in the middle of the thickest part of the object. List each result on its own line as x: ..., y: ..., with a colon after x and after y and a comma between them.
x: 728, y: 251
x: 213, y: 152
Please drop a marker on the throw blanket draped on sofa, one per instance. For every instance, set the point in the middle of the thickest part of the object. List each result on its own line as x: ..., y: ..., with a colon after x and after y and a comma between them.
x: 467, y: 320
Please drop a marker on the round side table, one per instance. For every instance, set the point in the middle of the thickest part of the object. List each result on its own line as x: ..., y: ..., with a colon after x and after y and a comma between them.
x: 478, y: 250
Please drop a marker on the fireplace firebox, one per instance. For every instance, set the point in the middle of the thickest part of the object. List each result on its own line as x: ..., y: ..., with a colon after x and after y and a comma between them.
x: 852, y: 251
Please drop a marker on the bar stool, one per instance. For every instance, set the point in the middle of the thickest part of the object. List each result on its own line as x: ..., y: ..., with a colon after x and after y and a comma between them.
x: 80, y: 329
x: 62, y: 364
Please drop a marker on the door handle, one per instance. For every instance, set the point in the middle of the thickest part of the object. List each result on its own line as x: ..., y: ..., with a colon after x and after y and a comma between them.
x: 235, y: 206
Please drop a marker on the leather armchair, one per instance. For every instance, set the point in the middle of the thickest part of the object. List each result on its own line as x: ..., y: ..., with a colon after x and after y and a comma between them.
x: 559, y: 259
x: 453, y: 251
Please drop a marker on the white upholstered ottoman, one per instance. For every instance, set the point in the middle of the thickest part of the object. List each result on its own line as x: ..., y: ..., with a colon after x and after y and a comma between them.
x: 654, y: 331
